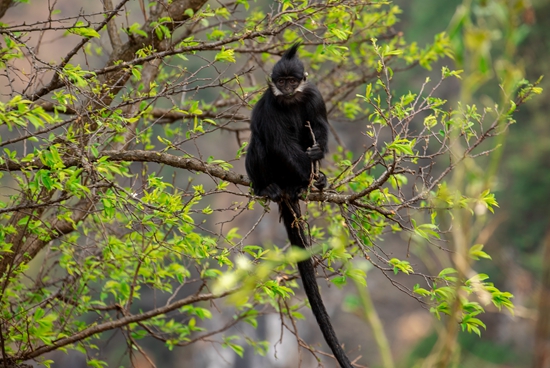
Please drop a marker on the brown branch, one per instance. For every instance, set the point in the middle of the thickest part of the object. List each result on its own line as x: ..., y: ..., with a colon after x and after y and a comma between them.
x: 189, y: 163
x: 41, y: 131
x: 171, y: 116
x: 194, y: 164
x: 4, y: 6
x: 83, y: 208
x: 26, y: 206
x: 126, y: 53
x: 116, y: 42
x: 102, y: 327
x: 56, y: 82
x: 377, y: 183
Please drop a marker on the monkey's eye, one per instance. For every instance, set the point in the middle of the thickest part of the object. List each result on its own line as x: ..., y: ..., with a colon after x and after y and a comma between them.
x: 293, y: 81
x: 280, y: 82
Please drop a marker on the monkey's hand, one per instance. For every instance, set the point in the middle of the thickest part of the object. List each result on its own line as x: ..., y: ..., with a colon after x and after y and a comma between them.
x: 273, y: 192
x: 321, y: 181
x: 315, y: 152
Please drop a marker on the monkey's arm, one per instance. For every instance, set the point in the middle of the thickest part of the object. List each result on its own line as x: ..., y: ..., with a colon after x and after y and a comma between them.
x: 282, y: 150
x: 317, y: 116
x: 294, y: 158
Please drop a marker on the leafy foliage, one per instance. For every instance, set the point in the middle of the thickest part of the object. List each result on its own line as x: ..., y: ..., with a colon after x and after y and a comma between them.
x: 105, y: 207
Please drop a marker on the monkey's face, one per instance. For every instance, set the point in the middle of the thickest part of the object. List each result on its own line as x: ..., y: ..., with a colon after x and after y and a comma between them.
x: 287, y: 86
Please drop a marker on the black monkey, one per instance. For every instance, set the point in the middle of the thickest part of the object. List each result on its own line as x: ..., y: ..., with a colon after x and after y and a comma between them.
x: 280, y: 161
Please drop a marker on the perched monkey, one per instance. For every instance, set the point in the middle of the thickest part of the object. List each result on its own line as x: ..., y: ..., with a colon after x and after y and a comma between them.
x: 281, y: 158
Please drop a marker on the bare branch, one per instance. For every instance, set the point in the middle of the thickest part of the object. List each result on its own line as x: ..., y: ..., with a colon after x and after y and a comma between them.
x: 107, y: 326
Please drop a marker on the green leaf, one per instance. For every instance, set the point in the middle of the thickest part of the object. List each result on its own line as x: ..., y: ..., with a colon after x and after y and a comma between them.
x: 357, y: 275
x: 421, y: 291
x: 403, y: 266
x: 339, y: 281
x: 80, y: 29
x: 476, y: 252
x: 225, y: 55
x: 237, y: 349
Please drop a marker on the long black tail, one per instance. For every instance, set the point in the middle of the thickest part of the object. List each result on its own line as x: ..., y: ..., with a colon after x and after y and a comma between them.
x: 290, y: 212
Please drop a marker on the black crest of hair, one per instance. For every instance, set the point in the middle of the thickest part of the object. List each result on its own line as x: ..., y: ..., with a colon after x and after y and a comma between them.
x: 280, y: 160
x: 289, y: 65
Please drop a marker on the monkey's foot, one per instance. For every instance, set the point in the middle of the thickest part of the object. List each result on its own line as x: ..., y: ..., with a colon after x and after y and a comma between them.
x: 320, y: 181
x: 273, y: 192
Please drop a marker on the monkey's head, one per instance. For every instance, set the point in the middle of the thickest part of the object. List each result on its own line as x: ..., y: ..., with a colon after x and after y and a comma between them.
x: 288, y: 76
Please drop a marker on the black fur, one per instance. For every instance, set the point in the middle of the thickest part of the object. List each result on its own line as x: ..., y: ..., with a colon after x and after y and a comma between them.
x: 279, y: 163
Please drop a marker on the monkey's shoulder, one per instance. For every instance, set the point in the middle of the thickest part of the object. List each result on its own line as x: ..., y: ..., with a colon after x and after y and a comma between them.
x: 312, y: 96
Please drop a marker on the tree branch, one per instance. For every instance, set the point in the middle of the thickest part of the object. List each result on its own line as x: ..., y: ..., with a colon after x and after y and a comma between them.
x: 102, y: 327
x: 194, y: 164
x: 4, y: 6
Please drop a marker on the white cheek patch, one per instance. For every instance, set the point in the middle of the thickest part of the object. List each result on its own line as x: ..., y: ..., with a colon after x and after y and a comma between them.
x: 301, y: 86
x: 275, y: 90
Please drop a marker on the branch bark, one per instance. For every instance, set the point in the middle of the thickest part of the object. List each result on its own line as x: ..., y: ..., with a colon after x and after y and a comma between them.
x: 4, y: 6
x: 27, y: 246
x: 111, y: 325
x: 116, y: 80
x: 193, y: 164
